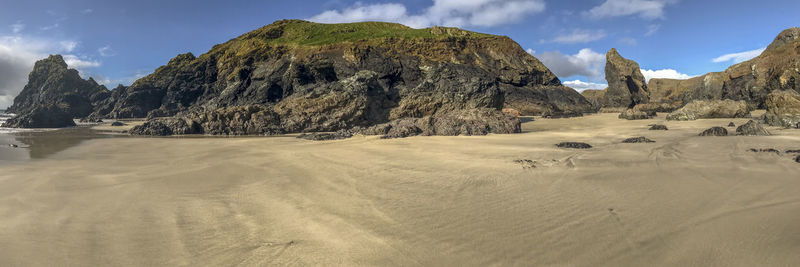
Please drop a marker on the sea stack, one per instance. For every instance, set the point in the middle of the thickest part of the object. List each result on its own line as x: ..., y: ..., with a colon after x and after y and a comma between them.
x: 626, y: 84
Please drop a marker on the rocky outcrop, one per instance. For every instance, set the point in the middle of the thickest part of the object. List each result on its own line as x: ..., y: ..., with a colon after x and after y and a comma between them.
x: 595, y: 97
x: 783, y: 109
x: 287, y: 59
x: 715, y: 131
x: 631, y: 114
x: 752, y: 128
x: 52, y: 86
x: 626, y: 84
x: 658, y: 127
x: 41, y: 116
x: 461, y: 122
x: 701, y: 109
x: 777, y: 68
x: 308, y: 77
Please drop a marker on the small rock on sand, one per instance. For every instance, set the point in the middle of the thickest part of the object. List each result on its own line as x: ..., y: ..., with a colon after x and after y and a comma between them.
x: 640, y: 139
x: 658, y: 127
x: 575, y: 145
x: 715, y: 131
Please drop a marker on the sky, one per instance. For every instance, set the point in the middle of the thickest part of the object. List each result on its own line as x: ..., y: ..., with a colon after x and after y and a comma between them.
x: 117, y: 42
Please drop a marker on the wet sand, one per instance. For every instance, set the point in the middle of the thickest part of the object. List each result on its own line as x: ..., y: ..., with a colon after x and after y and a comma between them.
x: 443, y: 201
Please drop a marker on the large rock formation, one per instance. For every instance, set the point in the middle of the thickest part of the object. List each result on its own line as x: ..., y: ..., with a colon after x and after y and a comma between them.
x: 701, y: 109
x: 287, y: 59
x: 783, y: 109
x: 307, y: 77
x: 41, y: 116
x: 626, y: 84
x: 51, y: 85
x: 777, y: 68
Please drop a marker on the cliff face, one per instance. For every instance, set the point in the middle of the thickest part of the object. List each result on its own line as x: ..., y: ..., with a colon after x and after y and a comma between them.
x: 777, y: 68
x: 290, y: 60
x: 626, y: 84
x: 52, y: 85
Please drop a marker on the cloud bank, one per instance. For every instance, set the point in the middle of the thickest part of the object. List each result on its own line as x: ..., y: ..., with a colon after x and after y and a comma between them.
x: 580, y: 86
x: 739, y: 57
x: 646, y: 9
x: 586, y: 62
x: 664, y: 74
x: 453, y: 13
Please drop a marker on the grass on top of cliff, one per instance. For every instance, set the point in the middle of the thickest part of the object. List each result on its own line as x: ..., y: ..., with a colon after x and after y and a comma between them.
x: 309, y: 33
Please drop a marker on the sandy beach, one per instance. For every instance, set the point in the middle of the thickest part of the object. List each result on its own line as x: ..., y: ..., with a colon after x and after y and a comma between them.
x: 684, y: 200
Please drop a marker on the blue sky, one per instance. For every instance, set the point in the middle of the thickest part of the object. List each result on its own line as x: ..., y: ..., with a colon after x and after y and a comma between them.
x: 119, y: 41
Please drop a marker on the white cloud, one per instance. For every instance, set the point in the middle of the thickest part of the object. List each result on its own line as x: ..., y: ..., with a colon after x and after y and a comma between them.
x: 17, y: 27
x: 50, y: 27
x: 580, y: 86
x: 664, y: 74
x: 17, y: 56
x: 646, y: 9
x: 68, y: 46
x: 652, y: 29
x: 455, y: 13
x: 87, y: 11
x: 106, y: 51
x: 75, y: 62
x: 586, y: 62
x: 739, y: 57
x: 580, y: 36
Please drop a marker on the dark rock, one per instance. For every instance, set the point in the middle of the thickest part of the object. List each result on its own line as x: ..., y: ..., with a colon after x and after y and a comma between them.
x: 797, y: 159
x: 783, y: 109
x: 731, y: 124
x: 91, y: 119
x: 118, y: 123
x: 561, y: 115
x: 715, y: 131
x: 575, y: 145
x: 167, y: 127
x: 13, y: 145
x: 52, y: 84
x: 702, y: 109
x: 765, y: 150
x: 630, y: 114
x: 626, y: 84
x: 464, y: 122
x: 792, y: 151
x: 42, y: 116
x: 658, y: 127
x: 640, y: 139
x: 344, y: 134
x: 752, y: 128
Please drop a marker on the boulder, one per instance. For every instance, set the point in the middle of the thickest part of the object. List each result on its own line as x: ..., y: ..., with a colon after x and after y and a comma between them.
x: 118, y: 123
x: 783, y: 109
x: 731, y: 124
x: 574, y: 145
x: 42, y: 116
x: 631, y: 114
x: 752, y: 128
x: 702, y: 109
x: 626, y: 84
x: 640, y: 139
x: 658, y: 127
x: 715, y: 131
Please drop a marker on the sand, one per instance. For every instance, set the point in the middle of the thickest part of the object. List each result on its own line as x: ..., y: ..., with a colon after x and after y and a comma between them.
x: 438, y: 201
